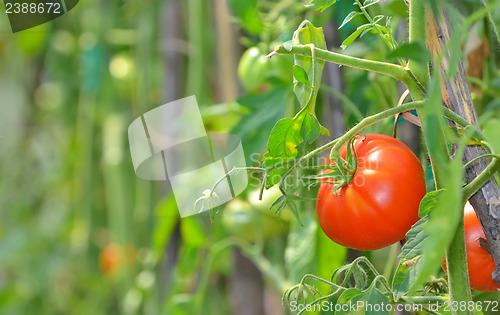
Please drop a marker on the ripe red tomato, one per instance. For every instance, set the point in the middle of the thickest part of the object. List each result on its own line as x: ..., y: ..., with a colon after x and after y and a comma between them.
x: 480, y: 262
x: 381, y: 202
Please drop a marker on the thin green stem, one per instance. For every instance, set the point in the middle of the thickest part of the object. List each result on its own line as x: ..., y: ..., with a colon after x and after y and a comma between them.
x: 417, y: 34
x: 481, y: 179
x: 395, y: 71
x: 425, y: 299
x: 481, y: 157
x: 390, y: 43
x: 370, y: 120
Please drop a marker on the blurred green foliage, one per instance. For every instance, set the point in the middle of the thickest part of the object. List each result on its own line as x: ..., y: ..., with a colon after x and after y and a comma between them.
x: 68, y: 91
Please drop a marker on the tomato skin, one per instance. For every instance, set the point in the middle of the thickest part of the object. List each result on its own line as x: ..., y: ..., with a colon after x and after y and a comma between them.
x: 481, y: 264
x: 381, y: 202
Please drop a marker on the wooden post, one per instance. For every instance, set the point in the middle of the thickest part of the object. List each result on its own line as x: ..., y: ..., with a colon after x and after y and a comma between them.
x: 456, y: 96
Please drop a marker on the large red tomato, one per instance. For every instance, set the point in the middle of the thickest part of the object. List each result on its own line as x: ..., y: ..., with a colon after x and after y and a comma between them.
x: 381, y: 202
x: 480, y: 262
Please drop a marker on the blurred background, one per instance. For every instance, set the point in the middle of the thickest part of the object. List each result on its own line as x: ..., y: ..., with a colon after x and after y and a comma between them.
x: 81, y: 234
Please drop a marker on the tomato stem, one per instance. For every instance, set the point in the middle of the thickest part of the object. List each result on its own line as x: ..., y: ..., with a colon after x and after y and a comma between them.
x: 395, y: 71
x: 482, y: 178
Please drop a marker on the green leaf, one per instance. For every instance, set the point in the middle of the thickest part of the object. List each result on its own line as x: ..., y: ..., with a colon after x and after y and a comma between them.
x: 309, y: 131
x: 329, y: 256
x: 410, y: 260
x: 490, y: 131
x: 410, y: 265
x: 324, y: 131
x: 405, y: 275
x: 282, y: 147
x: 320, y: 4
x: 443, y: 220
x: 377, y: 300
x: 288, y: 137
x: 192, y: 233
x: 247, y: 14
x: 415, y: 236
x: 349, y: 298
x: 265, y: 109
x: 413, y: 51
x: 309, y: 34
x: 301, y: 75
x: 429, y: 201
x: 349, y: 17
x: 349, y: 40
x: 168, y: 215
x: 368, y: 3
x: 301, y: 248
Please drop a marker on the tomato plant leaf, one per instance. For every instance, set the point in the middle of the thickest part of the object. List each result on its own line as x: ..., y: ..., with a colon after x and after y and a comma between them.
x: 443, y: 219
x: 349, y: 297
x: 349, y: 17
x: 428, y: 202
x: 368, y: 3
x: 320, y: 4
x: 167, y: 213
x: 265, y: 109
x: 301, y: 75
x: 409, y: 259
x: 301, y: 248
x: 413, y: 51
x: 415, y: 236
x: 309, y: 131
x: 282, y: 147
x: 351, y: 38
x: 405, y: 275
x: 374, y: 296
x: 329, y: 256
x: 490, y: 131
x: 247, y: 15
x: 288, y: 137
x: 192, y: 232
x: 324, y: 131
x: 309, y: 34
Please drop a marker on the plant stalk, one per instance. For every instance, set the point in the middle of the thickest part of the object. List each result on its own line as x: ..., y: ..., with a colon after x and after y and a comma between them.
x: 395, y: 71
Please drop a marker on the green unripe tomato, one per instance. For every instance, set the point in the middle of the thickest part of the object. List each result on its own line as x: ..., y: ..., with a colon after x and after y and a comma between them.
x: 268, y: 198
x: 241, y: 219
x: 255, y: 69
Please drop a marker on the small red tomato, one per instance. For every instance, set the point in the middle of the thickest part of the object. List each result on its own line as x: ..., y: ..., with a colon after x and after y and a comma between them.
x: 381, y: 202
x: 110, y: 259
x: 480, y: 262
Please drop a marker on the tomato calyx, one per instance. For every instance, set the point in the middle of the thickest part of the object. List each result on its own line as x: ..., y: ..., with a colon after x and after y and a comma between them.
x: 341, y: 172
x: 344, y: 169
